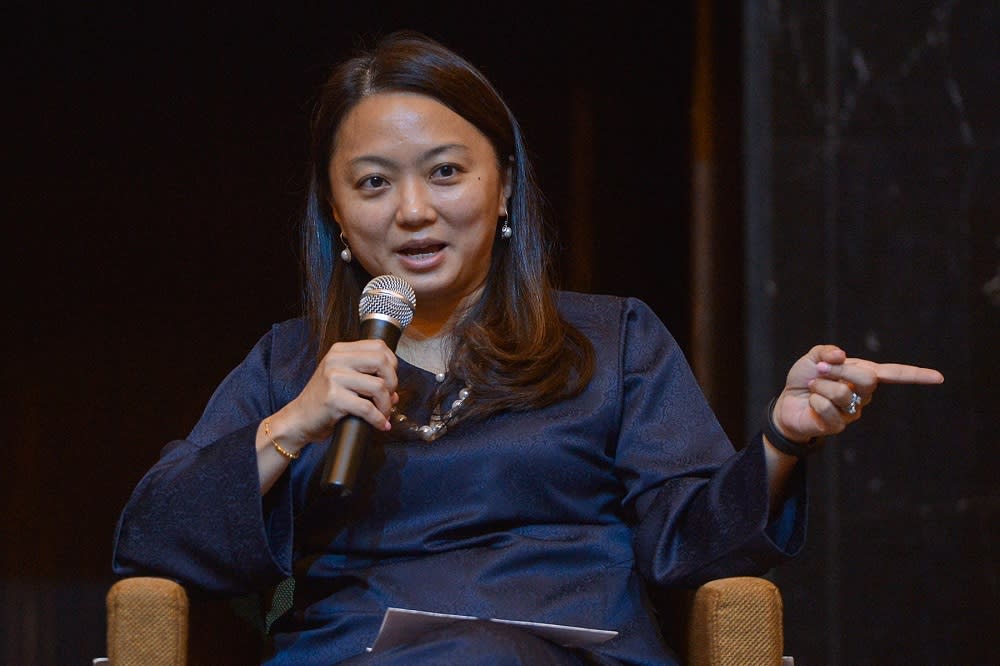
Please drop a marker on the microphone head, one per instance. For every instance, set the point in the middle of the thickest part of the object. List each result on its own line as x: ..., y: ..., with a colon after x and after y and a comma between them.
x: 388, y: 297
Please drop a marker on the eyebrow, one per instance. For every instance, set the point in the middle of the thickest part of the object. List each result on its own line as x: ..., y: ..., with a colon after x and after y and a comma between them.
x: 426, y: 156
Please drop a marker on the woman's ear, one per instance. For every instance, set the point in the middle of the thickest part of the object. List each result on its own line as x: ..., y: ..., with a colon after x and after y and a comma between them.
x: 508, y: 183
x: 335, y: 215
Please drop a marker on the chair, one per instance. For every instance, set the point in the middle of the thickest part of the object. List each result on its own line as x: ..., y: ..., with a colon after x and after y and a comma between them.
x: 152, y: 622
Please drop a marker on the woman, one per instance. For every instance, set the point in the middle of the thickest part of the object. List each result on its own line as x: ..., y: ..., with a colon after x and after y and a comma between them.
x: 570, y: 460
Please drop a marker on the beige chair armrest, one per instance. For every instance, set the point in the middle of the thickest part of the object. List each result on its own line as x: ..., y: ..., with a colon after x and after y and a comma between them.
x: 735, y: 622
x: 147, y: 623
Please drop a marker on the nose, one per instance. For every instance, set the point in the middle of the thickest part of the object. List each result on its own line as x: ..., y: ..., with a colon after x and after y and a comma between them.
x: 415, y: 205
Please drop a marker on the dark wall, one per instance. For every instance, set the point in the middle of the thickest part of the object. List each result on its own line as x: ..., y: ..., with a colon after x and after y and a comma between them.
x: 155, y: 174
x: 874, y: 147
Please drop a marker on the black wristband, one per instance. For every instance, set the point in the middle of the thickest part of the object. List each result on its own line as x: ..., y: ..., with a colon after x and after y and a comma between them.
x: 781, y: 442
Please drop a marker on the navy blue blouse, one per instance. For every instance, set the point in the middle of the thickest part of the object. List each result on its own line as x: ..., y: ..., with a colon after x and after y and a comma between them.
x: 561, y: 515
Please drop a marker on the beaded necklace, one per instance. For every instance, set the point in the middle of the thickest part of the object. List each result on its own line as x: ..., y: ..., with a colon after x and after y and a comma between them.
x: 438, y: 424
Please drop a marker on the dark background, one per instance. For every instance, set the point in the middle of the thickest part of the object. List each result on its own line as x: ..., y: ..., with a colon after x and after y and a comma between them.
x: 882, y: 208
x: 156, y: 169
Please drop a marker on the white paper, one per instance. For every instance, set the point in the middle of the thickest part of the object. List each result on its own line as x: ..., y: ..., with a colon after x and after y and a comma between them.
x: 403, y: 625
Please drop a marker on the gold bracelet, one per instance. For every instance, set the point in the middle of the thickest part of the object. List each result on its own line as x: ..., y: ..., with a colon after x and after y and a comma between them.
x: 278, y: 447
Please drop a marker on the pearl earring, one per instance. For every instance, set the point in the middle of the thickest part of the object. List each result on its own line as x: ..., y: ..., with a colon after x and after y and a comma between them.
x: 505, y: 230
x: 345, y: 254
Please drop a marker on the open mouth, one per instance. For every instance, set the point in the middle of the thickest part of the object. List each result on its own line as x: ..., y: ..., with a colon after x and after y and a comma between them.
x: 421, y: 251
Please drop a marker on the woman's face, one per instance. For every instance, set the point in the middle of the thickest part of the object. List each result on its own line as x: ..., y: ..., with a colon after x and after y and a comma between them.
x: 417, y: 193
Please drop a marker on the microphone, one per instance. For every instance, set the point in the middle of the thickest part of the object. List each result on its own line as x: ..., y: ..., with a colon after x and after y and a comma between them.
x: 386, y: 308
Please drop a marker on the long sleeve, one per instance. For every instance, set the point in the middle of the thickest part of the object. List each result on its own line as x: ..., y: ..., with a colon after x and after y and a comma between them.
x: 197, y: 516
x: 700, y: 510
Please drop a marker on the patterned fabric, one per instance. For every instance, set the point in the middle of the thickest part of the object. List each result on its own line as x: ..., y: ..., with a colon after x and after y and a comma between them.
x: 560, y: 515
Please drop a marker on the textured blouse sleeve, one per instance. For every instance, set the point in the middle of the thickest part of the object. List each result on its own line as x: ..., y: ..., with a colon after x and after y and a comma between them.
x: 197, y: 516
x: 701, y: 510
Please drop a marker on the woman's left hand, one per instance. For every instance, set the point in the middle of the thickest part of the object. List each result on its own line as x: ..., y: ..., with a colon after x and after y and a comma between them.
x: 826, y: 390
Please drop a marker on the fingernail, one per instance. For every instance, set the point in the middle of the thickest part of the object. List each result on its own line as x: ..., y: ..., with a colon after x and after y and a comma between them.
x: 823, y: 366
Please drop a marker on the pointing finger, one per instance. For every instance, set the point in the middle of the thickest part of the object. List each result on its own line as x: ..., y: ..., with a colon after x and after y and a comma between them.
x: 895, y: 373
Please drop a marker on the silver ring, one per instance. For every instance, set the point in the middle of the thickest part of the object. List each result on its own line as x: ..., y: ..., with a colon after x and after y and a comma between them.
x: 852, y: 408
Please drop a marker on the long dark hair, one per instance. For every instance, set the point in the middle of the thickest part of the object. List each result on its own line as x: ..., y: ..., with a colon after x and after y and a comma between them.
x: 512, y: 345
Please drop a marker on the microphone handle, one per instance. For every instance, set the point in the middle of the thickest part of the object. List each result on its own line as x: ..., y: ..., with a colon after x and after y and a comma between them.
x: 350, y: 437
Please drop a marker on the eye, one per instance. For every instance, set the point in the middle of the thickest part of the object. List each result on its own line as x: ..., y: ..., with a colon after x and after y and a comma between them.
x: 373, y: 183
x: 445, y: 171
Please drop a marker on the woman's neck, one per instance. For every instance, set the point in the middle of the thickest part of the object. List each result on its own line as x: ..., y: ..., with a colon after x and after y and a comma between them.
x: 428, y: 352
x: 428, y: 341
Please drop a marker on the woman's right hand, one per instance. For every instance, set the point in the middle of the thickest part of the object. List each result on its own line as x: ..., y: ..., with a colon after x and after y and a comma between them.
x: 357, y: 378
